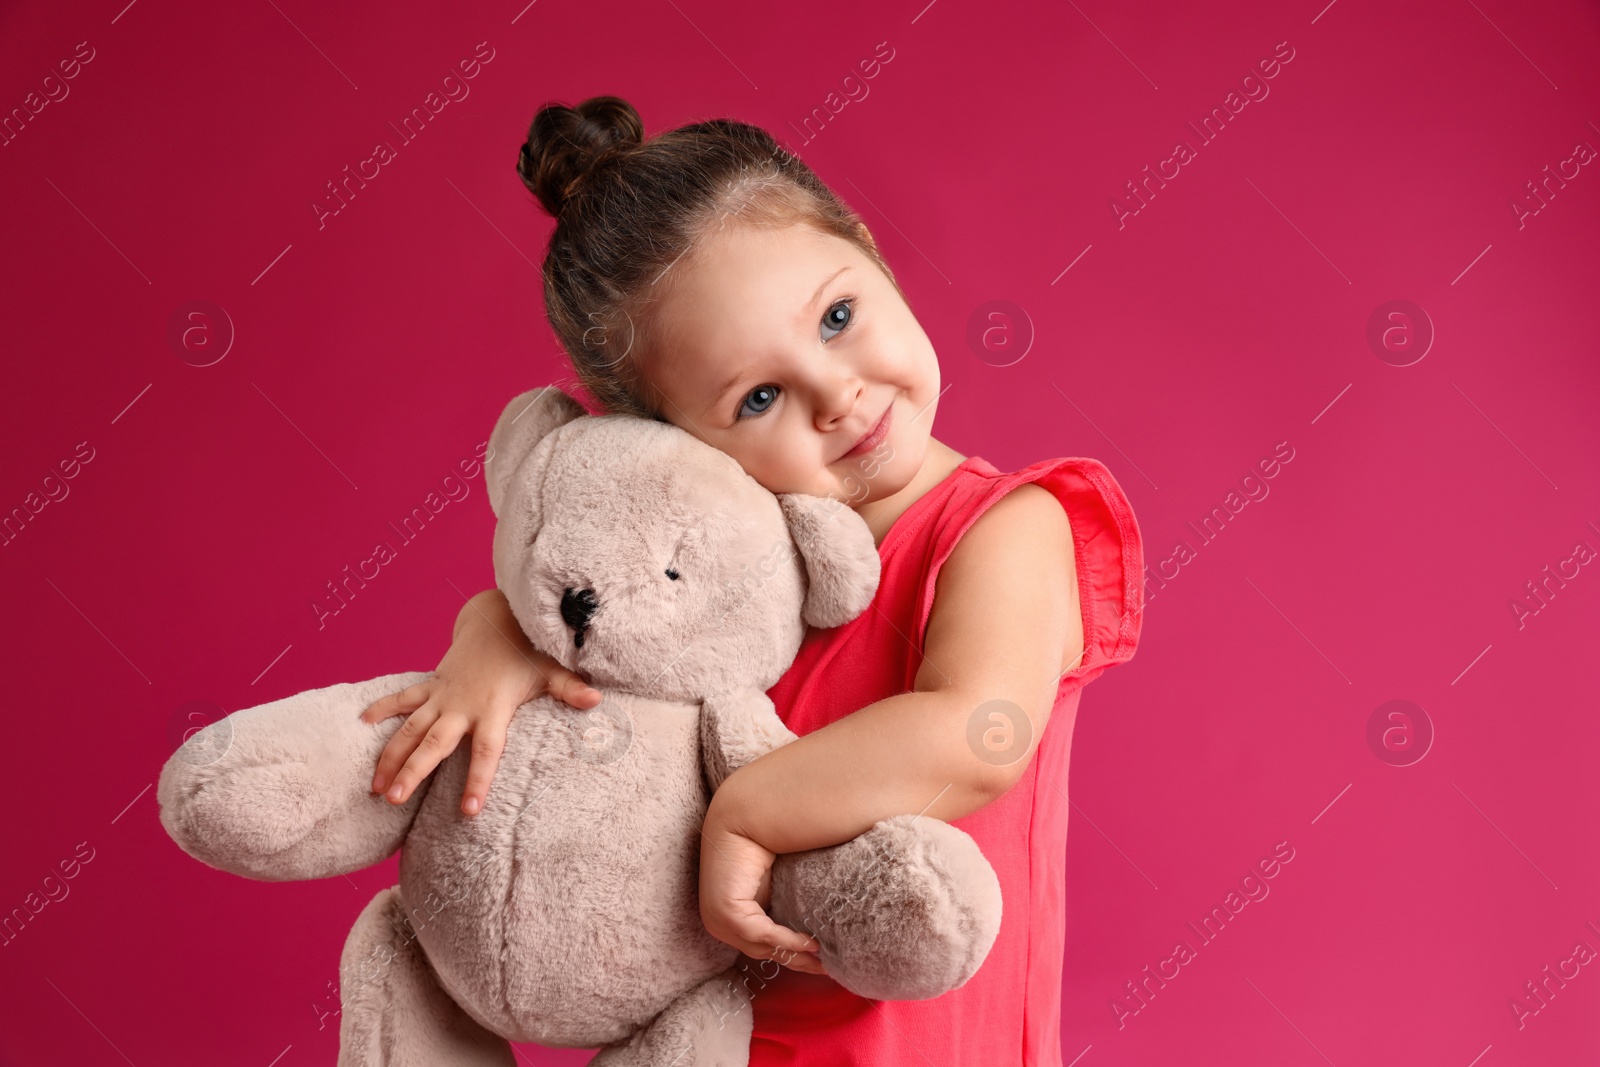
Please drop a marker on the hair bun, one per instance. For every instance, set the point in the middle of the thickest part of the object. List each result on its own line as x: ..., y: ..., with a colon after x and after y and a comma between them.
x: 565, y: 143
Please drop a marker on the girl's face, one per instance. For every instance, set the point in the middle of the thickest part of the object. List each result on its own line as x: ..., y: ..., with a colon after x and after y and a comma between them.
x: 785, y: 349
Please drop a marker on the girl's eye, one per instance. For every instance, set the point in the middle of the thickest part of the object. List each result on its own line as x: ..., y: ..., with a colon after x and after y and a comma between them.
x: 758, y: 400
x: 672, y: 574
x: 839, y: 317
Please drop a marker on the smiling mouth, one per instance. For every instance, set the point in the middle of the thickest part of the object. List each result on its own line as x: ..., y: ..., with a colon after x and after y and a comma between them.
x: 874, y: 436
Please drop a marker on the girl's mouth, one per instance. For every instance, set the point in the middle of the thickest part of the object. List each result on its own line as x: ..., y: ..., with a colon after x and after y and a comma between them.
x: 874, y: 436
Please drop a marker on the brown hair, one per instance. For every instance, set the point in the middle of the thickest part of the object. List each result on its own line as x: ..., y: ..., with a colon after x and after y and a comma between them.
x: 627, y: 209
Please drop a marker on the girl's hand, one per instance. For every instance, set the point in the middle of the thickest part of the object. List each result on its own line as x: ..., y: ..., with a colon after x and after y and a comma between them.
x: 488, y: 672
x: 735, y: 886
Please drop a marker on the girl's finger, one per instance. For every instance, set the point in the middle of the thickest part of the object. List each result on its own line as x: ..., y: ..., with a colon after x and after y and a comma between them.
x: 438, y: 743
x: 809, y: 962
x: 408, y: 699
x: 569, y: 688
x: 401, y: 745
x: 761, y: 938
x: 487, y: 745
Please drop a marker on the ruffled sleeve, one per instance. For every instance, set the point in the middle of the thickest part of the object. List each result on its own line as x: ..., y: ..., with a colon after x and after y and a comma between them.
x: 1107, y: 549
x: 1110, y: 561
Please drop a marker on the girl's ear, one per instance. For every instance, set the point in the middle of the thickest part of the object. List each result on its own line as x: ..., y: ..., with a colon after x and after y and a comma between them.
x: 525, y: 422
x: 841, y: 560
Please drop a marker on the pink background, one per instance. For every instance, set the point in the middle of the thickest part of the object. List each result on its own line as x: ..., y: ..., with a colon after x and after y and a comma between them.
x: 1229, y: 314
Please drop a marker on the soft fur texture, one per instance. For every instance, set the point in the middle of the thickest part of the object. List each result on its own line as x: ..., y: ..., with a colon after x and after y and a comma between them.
x: 566, y: 912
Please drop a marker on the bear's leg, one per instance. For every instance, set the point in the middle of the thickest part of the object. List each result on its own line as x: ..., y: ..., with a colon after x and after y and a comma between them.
x: 709, y: 1026
x: 394, y: 1012
x: 906, y: 911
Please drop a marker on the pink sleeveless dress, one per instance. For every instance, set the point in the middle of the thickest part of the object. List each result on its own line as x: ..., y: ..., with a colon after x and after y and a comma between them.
x: 1009, y: 1012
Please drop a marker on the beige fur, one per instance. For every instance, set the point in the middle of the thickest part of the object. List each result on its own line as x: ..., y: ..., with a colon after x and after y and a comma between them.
x: 566, y: 912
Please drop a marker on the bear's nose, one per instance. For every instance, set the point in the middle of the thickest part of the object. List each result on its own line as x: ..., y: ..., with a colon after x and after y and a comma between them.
x: 577, y: 606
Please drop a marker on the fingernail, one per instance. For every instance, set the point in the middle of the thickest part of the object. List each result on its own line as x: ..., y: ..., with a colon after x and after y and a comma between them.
x: 394, y: 794
x: 472, y: 805
x: 378, y: 782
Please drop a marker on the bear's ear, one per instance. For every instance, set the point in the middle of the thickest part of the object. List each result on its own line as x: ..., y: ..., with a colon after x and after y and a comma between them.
x: 521, y: 426
x: 840, y: 557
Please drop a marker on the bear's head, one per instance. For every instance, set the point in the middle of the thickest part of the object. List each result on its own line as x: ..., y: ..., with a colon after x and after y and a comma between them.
x: 637, y: 554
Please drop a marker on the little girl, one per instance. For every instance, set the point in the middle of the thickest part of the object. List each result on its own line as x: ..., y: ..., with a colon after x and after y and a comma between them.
x: 708, y: 278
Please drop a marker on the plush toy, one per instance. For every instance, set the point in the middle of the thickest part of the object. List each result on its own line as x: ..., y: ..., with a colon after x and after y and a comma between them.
x: 566, y: 911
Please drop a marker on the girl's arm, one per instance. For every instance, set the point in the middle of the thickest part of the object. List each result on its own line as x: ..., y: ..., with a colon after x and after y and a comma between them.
x: 1005, y: 626
x: 1005, y: 622
x: 489, y: 672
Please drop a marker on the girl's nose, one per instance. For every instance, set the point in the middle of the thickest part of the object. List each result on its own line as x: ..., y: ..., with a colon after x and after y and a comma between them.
x: 838, y: 399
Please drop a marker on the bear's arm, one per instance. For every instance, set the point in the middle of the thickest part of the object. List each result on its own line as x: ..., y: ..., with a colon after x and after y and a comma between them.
x: 281, y: 791
x: 735, y: 728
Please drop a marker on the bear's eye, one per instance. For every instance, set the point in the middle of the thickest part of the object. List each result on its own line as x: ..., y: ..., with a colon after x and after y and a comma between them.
x: 672, y: 574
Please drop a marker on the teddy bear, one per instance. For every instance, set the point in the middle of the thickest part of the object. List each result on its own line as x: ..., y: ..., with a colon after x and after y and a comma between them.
x: 566, y: 911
